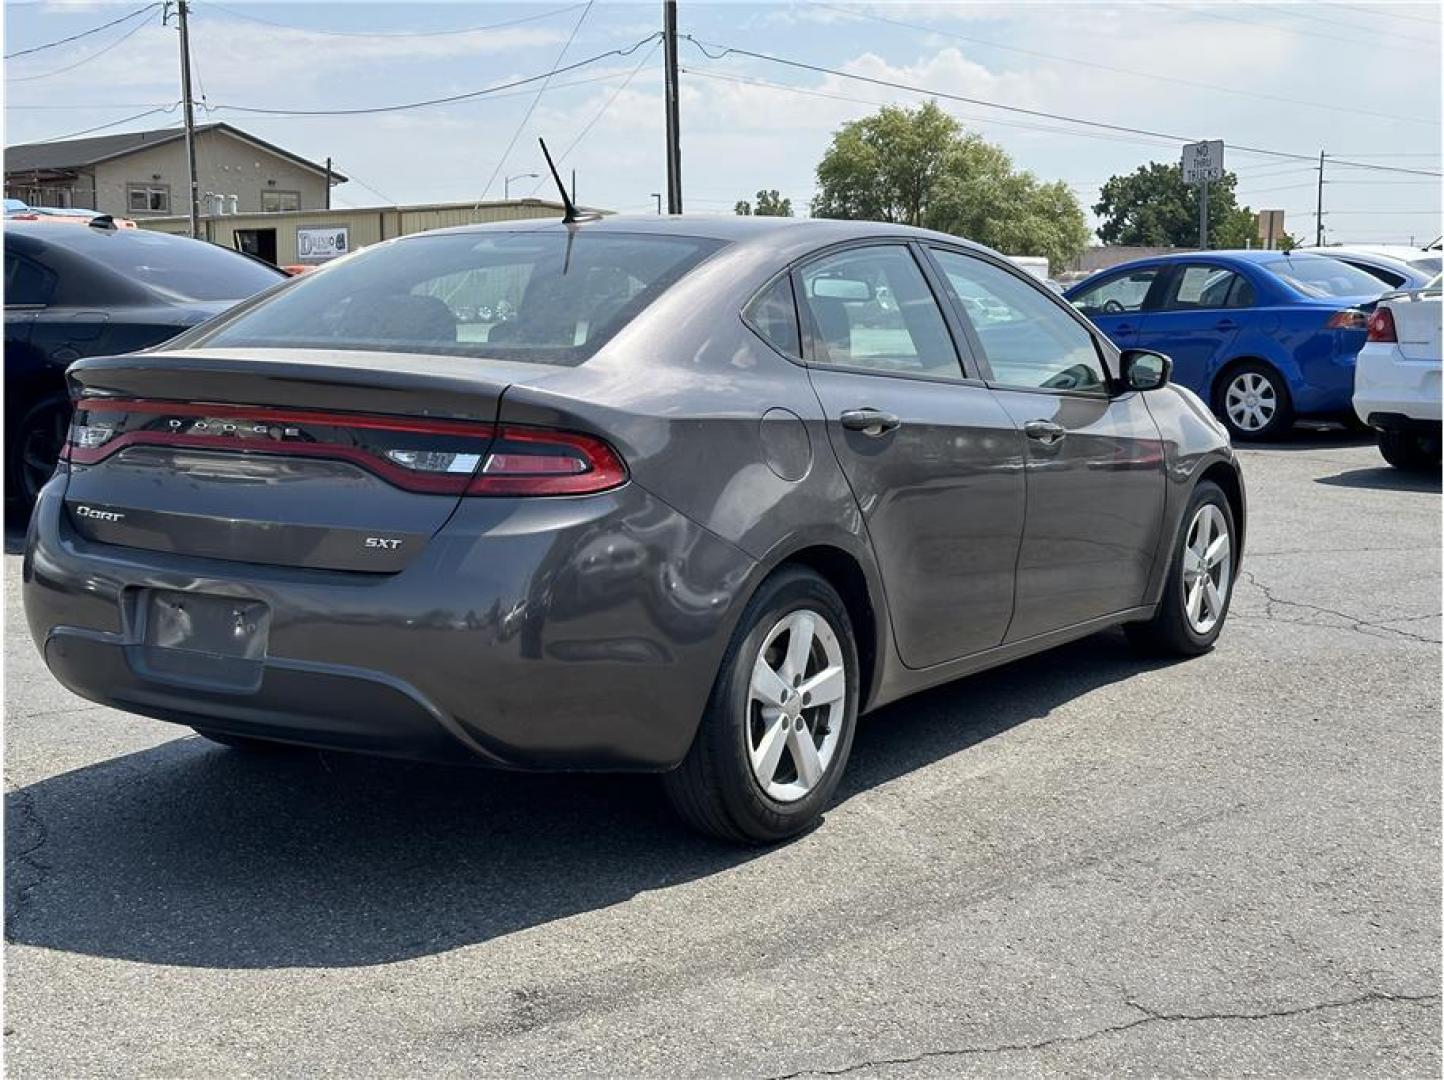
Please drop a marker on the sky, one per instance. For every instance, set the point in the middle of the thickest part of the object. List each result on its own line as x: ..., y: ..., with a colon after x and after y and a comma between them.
x: 1359, y: 81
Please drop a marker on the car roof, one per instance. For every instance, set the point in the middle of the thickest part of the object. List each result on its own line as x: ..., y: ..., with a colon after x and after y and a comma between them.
x: 1386, y: 252
x: 732, y: 229
x: 82, y: 237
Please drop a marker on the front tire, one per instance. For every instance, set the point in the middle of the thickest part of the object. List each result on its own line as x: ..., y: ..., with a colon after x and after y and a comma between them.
x: 1253, y: 402
x: 1196, y: 595
x: 778, y: 728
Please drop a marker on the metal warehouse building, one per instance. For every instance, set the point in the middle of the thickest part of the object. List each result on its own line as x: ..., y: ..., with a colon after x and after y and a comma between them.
x: 311, y: 237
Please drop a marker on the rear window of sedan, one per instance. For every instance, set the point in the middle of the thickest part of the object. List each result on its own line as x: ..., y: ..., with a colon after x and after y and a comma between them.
x: 174, y: 267
x: 552, y: 297
x: 1316, y: 276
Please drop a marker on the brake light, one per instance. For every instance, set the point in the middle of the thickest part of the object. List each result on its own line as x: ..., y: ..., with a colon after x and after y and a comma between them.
x: 540, y: 461
x: 437, y: 457
x: 1381, y: 325
x: 1348, y: 319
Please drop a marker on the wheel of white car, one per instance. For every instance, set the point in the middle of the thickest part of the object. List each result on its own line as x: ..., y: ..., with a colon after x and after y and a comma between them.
x: 778, y: 729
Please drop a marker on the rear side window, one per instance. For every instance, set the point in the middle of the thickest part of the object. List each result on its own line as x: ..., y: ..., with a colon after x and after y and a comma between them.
x: 871, y: 308
x: 27, y: 283
x: 1116, y: 295
x: 773, y: 314
x: 1201, y: 287
x: 553, y: 297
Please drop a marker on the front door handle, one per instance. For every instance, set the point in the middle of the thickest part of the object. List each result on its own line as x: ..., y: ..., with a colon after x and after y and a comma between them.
x: 1045, y: 431
x: 1226, y: 324
x: 1123, y: 328
x: 870, y: 421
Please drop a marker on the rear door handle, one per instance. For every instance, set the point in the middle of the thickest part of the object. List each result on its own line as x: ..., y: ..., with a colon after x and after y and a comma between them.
x: 1045, y: 431
x: 870, y: 421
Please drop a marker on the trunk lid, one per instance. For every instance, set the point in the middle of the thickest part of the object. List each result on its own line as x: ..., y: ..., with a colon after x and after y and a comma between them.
x: 325, y: 460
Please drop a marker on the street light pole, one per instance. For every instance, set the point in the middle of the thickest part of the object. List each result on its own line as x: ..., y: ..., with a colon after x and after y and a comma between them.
x: 506, y: 184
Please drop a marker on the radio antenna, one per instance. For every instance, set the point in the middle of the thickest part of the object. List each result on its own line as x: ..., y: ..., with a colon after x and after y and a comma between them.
x: 570, y: 216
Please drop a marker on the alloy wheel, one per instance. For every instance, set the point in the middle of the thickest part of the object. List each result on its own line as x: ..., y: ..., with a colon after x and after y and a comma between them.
x: 1250, y: 401
x: 795, y: 706
x: 1207, y: 566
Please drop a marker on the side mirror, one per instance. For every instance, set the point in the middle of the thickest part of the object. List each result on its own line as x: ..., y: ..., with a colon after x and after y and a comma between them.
x: 1144, y: 369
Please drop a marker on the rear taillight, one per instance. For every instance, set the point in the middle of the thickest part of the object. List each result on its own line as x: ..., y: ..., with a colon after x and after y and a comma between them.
x: 436, y: 457
x: 1348, y: 319
x: 540, y: 461
x: 1381, y: 325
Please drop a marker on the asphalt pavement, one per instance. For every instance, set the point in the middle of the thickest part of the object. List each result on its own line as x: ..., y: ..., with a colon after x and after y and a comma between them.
x: 1083, y: 863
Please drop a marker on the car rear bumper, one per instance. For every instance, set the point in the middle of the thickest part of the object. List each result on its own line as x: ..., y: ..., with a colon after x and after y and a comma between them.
x: 1388, y: 382
x: 569, y: 633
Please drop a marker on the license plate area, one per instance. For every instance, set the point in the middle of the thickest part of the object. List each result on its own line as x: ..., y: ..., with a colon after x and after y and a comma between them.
x: 200, y: 640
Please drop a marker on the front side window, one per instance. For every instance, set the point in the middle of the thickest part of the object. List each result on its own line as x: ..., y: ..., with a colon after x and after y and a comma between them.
x: 774, y: 315
x: 1029, y: 341
x: 543, y: 297
x: 1117, y: 295
x: 871, y: 308
x: 1201, y: 286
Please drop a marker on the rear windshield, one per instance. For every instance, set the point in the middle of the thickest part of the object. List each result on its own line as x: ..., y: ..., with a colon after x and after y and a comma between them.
x: 1429, y: 264
x: 548, y: 297
x: 176, y: 267
x: 1314, y: 275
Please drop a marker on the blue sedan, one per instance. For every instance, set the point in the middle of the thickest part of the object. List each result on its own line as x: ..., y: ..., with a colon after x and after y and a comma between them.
x: 1262, y: 336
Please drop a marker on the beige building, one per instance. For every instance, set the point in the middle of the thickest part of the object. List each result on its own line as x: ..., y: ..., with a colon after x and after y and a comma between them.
x: 311, y: 237
x: 144, y: 174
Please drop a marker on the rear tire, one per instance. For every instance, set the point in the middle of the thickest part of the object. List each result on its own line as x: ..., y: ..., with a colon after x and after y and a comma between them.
x: 35, y: 448
x: 1409, y: 450
x: 1252, y: 399
x: 1190, y: 615
x: 759, y: 772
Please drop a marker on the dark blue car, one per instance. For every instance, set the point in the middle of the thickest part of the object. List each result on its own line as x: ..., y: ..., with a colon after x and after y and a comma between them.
x: 1262, y: 336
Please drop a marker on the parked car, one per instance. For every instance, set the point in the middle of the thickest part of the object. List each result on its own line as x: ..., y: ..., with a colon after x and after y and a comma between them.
x: 1396, y: 387
x: 1396, y: 266
x: 73, y: 292
x: 65, y: 215
x: 1262, y: 336
x: 685, y: 512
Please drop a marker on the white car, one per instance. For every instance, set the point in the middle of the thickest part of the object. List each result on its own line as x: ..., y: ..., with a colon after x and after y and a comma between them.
x: 1396, y: 377
x: 1396, y: 266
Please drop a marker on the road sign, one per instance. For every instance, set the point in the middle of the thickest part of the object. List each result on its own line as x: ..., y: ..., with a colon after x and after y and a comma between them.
x: 1270, y: 227
x: 1203, y: 161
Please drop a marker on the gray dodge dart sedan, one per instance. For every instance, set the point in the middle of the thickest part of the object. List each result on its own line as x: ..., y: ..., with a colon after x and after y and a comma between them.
x: 680, y: 495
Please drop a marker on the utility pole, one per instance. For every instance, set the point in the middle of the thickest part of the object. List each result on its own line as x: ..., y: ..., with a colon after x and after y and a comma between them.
x: 188, y: 103
x: 1319, y: 209
x: 1203, y: 215
x: 328, y: 182
x: 674, y: 149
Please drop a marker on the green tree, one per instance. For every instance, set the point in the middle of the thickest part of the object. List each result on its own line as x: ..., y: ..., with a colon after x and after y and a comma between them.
x: 1153, y: 207
x: 919, y: 167
x: 769, y: 204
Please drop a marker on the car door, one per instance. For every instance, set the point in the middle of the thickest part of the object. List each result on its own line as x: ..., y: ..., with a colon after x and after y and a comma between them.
x: 1118, y: 304
x: 1095, y: 475
x: 1202, y: 308
x: 935, y: 463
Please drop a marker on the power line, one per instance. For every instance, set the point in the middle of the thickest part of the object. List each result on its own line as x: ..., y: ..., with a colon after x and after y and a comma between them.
x: 1210, y: 14
x: 1373, y: 13
x: 84, y: 60
x: 603, y: 110
x: 114, y: 123
x: 1123, y: 128
x: 395, y: 33
x: 542, y: 89
x: 449, y: 99
x: 1123, y: 71
x: 83, y: 33
x: 1293, y: 12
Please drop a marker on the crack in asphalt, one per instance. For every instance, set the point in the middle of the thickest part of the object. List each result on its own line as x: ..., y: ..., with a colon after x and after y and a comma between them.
x: 1356, y: 624
x: 31, y: 819
x: 1150, y: 1016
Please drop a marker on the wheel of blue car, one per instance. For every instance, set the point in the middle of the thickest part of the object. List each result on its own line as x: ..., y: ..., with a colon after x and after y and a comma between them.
x: 1252, y: 399
x: 777, y: 731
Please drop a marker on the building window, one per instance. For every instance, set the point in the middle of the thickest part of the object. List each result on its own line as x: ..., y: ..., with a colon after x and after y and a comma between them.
x: 273, y: 201
x: 148, y: 198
